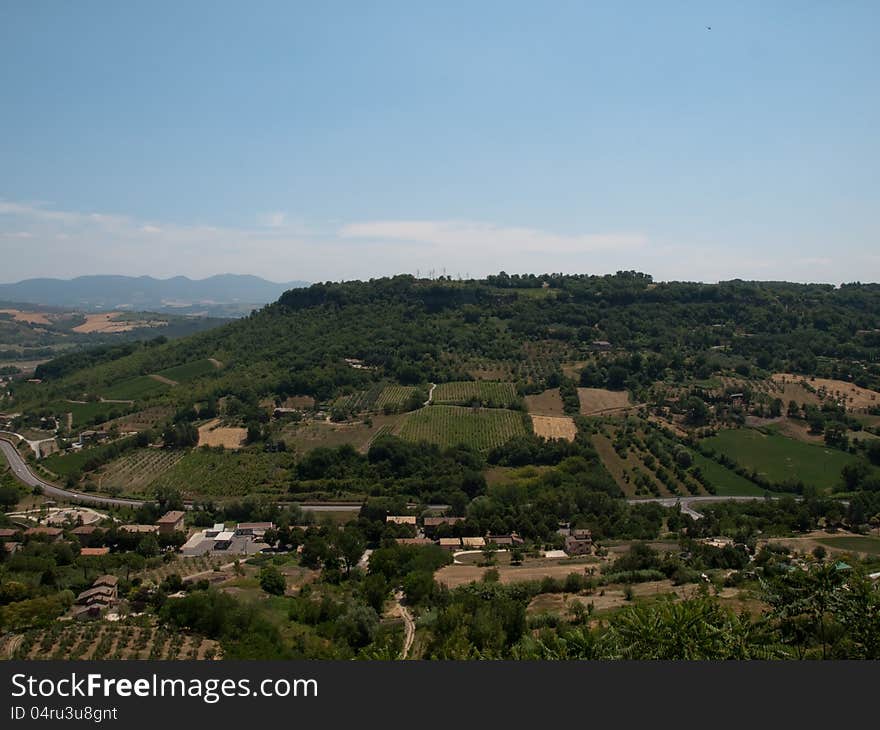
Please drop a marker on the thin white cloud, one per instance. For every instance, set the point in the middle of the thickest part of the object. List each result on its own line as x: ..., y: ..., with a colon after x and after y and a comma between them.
x: 468, y: 235
x: 276, y: 219
x: 50, y: 242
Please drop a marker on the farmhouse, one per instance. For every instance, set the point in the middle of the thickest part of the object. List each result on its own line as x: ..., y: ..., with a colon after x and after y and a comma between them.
x: 579, y: 542
x: 52, y: 534
x: 432, y: 523
x: 139, y: 529
x: 473, y: 543
x: 93, y: 552
x: 401, y: 519
x: 504, y: 540
x: 171, y: 522
x: 254, y: 529
x: 103, y: 594
x: 84, y: 533
x: 601, y: 345
x: 450, y: 543
x: 9, y: 533
x: 414, y: 541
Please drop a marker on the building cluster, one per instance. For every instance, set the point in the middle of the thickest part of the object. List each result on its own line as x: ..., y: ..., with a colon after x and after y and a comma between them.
x: 428, y: 533
x: 246, y: 538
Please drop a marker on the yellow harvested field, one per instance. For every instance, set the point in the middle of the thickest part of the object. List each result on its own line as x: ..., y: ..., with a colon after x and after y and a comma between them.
x: 853, y: 396
x: 213, y: 434
x: 554, y: 427
x: 600, y: 400
x: 29, y: 317
x: 104, y: 322
x: 548, y: 403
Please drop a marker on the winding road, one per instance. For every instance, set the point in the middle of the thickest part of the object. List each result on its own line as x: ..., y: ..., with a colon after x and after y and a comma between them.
x: 23, y: 473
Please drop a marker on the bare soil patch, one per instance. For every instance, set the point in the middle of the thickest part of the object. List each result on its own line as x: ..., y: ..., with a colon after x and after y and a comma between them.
x: 613, y: 597
x: 163, y: 379
x: 600, y: 400
x: 850, y: 394
x: 548, y: 403
x: 305, y: 402
x: 457, y: 575
x: 29, y: 317
x: 213, y: 434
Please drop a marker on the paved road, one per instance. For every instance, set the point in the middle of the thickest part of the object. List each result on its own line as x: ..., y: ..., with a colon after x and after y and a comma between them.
x: 24, y: 474
x: 686, y: 502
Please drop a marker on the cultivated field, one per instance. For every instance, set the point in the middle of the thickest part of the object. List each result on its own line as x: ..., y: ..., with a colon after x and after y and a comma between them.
x: 209, y: 472
x: 129, y: 639
x: 109, y: 322
x: 360, y: 401
x: 141, y: 420
x: 213, y: 434
x: 468, y: 391
x: 482, y: 428
x: 599, y: 400
x: 28, y: 317
x: 781, y: 459
x: 394, y: 396
x: 548, y: 403
x: 134, y: 472
x: 643, y: 463
x: 88, y: 413
x: 554, y: 427
x: 308, y: 435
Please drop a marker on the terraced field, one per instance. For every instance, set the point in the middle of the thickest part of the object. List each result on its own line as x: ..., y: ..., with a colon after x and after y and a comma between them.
x: 498, y: 395
x: 482, y: 428
x: 136, y: 471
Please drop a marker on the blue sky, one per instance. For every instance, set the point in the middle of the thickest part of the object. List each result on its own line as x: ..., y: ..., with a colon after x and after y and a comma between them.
x: 332, y: 140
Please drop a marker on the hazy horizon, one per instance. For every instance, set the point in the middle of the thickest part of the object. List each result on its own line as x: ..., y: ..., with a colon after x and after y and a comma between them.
x: 345, y: 142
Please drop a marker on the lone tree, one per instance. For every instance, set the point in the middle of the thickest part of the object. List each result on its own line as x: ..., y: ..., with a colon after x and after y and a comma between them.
x: 272, y: 581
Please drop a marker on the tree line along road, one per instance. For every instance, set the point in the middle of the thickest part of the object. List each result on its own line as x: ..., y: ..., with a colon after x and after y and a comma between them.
x: 23, y: 473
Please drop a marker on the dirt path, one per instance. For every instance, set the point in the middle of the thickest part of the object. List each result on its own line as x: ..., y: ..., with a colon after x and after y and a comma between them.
x: 163, y: 379
x: 216, y: 363
x: 409, y: 625
x: 430, y: 395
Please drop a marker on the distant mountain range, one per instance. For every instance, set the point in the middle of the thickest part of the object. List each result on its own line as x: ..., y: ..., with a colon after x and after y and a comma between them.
x: 224, y: 295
